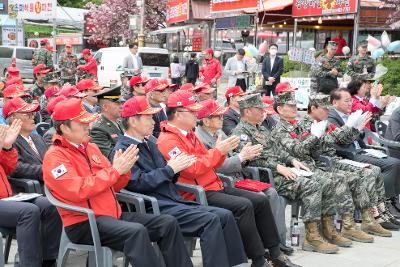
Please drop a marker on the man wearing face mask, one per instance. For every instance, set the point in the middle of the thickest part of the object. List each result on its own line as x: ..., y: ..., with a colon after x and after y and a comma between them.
x: 68, y: 63
x: 272, y: 69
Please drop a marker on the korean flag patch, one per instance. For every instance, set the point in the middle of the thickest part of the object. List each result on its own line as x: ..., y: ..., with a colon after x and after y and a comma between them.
x: 174, y: 152
x: 59, y: 171
x: 243, y: 137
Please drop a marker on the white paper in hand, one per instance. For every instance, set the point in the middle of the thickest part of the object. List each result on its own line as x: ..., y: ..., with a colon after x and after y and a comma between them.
x: 301, y: 172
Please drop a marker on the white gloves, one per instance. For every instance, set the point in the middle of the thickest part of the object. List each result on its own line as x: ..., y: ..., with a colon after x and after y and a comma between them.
x: 360, y: 124
x: 318, y: 128
x: 353, y: 118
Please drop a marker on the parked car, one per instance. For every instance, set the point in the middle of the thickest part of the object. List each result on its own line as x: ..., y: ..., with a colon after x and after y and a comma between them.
x: 22, y: 56
x: 109, y: 61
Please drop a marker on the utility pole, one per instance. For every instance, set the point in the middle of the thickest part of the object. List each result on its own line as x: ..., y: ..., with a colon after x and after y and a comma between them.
x: 142, y: 21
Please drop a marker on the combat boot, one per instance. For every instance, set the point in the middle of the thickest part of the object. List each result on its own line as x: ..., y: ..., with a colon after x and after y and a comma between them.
x: 314, y: 242
x: 350, y: 231
x: 370, y: 226
x: 329, y: 233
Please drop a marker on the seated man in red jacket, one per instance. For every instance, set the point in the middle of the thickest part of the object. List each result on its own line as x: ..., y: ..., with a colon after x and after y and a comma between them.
x: 91, y: 64
x: 37, y: 223
x: 251, y: 210
x: 77, y: 173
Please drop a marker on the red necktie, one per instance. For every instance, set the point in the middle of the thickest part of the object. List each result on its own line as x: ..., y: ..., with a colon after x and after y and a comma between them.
x: 190, y: 136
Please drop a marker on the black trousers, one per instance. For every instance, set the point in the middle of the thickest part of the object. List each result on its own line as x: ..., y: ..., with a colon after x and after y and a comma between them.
x: 177, y: 81
x: 254, y: 218
x: 242, y: 84
x: 390, y: 168
x: 268, y: 89
x: 220, y: 240
x: 133, y: 234
x: 191, y: 80
x: 38, y: 228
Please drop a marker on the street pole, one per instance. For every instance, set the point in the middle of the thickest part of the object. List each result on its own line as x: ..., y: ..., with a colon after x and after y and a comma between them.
x: 355, y: 28
x: 294, y: 32
x: 16, y: 30
x: 255, y: 29
x: 141, y: 33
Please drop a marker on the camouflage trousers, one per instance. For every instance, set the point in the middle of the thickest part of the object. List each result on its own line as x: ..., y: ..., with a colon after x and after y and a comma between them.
x: 332, y: 188
x: 371, y: 178
x: 304, y: 189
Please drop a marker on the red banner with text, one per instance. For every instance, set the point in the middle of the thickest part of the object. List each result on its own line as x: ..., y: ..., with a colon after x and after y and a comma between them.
x: 177, y: 11
x: 305, y: 8
x: 233, y: 5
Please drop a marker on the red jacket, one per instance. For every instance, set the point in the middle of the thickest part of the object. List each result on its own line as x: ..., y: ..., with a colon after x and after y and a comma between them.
x: 8, y: 163
x: 87, y: 181
x: 210, y: 69
x: 365, y: 106
x: 202, y: 172
x: 90, y: 67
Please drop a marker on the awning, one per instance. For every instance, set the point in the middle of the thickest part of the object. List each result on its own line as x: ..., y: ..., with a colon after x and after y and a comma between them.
x: 6, y: 21
x: 174, y: 29
x: 274, y: 5
x: 200, y: 9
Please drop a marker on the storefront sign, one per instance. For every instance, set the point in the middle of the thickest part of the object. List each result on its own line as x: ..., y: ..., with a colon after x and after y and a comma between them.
x: 32, y: 9
x: 9, y: 37
x: 233, y: 5
x: 304, y: 8
x: 177, y: 11
x: 233, y: 22
x: 197, y: 40
x: 73, y: 40
x: 303, y: 55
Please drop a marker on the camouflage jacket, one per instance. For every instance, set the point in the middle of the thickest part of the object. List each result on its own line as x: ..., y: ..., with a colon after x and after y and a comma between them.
x: 334, y: 135
x: 297, y: 141
x: 271, y: 156
x: 43, y: 56
x: 36, y: 91
x: 361, y: 67
x: 67, y: 64
x: 325, y: 65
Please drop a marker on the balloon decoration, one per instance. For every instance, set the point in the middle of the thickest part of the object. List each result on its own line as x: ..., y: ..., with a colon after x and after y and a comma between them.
x: 262, y: 49
x: 247, y: 53
x: 253, y: 50
x: 385, y: 40
x: 247, y: 58
x: 393, y: 46
x: 373, y: 43
x: 378, y: 53
x: 345, y: 50
x: 217, y: 54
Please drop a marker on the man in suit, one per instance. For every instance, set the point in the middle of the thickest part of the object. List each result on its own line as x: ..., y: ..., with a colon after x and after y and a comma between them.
x: 209, y: 131
x: 393, y: 131
x: 133, y: 62
x: 272, y: 69
x: 390, y: 167
x: 237, y: 69
x: 152, y: 175
x: 106, y: 130
x: 90, y: 88
x: 232, y: 117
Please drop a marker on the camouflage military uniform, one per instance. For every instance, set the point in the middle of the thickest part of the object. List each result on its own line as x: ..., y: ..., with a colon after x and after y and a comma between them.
x: 361, y: 67
x: 371, y: 178
x: 36, y: 91
x: 68, y: 63
x: 321, y: 71
x: 303, y: 188
x: 43, y: 56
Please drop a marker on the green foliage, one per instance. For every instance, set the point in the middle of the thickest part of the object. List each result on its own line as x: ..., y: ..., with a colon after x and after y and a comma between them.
x: 391, y: 80
x: 294, y: 69
x: 78, y: 3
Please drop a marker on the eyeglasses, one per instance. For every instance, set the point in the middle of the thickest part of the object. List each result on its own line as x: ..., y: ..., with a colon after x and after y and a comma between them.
x: 27, y: 115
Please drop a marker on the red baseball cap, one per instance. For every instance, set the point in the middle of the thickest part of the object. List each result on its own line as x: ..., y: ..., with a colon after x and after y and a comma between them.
x: 41, y: 68
x: 234, y: 91
x: 187, y: 87
x: 72, y: 109
x: 88, y: 84
x: 138, y: 105
x: 52, y: 103
x: 14, y: 80
x: 51, y: 49
x: 51, y: 91
x: 12, y: 71
x: 68, y: 45
x: 209, y: 51
x: 269, y: 101
x: 137, y: 80
x: 211, y: 108
x: 14, y: 90
x: 284, y: 87
x: 44, y: 41
x: 85, y: 52
x: 156, y: 85
x: 205, y: 90
x: 183, y: 99
x: 18, y: 105
x: 70, y: 90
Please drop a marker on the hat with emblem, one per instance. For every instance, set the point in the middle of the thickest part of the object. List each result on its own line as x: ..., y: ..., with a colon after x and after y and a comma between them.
x: 112, y: 94
x: 269, y: 101
x: 211, y: 108
x: 88, y: 84
x: 284, y: 87
x: 85, y: 52
x: 156, y: 85
x: 286, y: 98
x: 72, y: 109
x: 138, y: 105
x: 234, y: 91
x: 251, y: 101
x: 363, y: 43
x: 44, y: 41
x: 41, y: 69
x: 14, y: 80
x: 137, y: 80
x: 17, y: 105
x: 321, y: 100
x: 183, y: 99
x: 70, y: 91
x: 14, y: 90
x: 204, y: 88
x: 332, y: 44
x: 51, y: 91
x: 52, y: 103
x: 187, y: 87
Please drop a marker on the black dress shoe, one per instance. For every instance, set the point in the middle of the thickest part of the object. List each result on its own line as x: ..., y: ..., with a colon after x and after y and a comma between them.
x: 285, y: 249
x: 393, y: 210
x: 283, y: 261
x: 395, y: 203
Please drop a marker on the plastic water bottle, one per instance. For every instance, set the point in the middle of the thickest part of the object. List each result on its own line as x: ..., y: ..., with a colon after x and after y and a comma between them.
x: 295, y: 236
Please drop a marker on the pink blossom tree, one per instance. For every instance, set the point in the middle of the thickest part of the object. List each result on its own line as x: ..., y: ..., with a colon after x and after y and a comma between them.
x: 111, y: 18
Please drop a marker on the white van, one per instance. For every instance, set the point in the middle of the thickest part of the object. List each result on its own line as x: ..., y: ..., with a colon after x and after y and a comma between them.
x: 109, y: 63
x: 21, y: 56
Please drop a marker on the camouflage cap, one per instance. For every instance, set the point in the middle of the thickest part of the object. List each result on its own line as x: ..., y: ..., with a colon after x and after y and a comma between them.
x: 332, y: 44
x: 52, y: 77
x: 321, y: 100
x: 363, y: 43
x: 287, y: 98
x: 251, y: 101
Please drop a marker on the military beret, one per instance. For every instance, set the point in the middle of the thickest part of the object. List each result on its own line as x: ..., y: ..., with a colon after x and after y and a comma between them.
x: 332, y: 44
x: 251, y: 101
x: 112, y: 94
x: 285, y: 98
